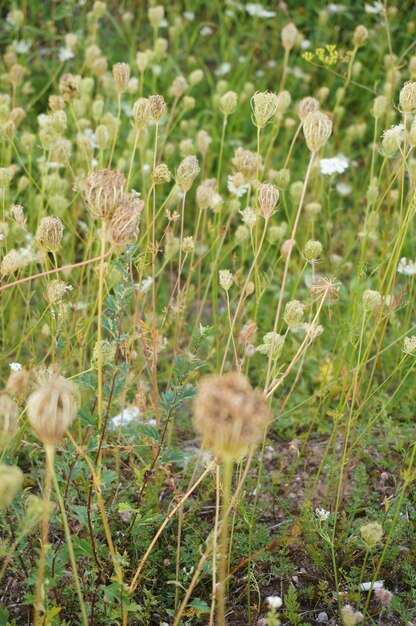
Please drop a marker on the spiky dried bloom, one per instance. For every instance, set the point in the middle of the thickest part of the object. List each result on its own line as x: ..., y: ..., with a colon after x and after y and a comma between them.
x: 124, y: 225
x: 205, y: 192
x: 371, y: 300
x: 18, y: 383
x: 264, y: 106
x: 294, y: 312
x: 11, y: 262
x: 228, y: 102
x: 325, y: 288
x: 268, y: 196
x: 360, y: 36
x: 6, y: 176
x: 317, y: 128
x: 245, y: 161
x: 49, y: 233
x: 383, y: 596
x: 11, y: 480
x: 289, y: 36
x: 157, y: 107
x: 187, y: 171
x: 407, y: 98
x: 307, y: 105
x: 52, y: 407
x: 17, y: 215
x: 9, y: 412
x: 272, y: 345
x: 141, y: 113
x: 121, y: 75
x: 409, y: 345
x: 161, y: 174
x: 61, y: 150
x: 203, y: 141
x: 312, y: 250
x: 226, y: 279
x: 351, y: 617
x: 104, y: 192
x: 55, y: 291
x: 69, y: 87
x: 229, y: 415
x: 248, y: 332
x: 179, y: 87
x: 380, y: 105
x: 156, y: 15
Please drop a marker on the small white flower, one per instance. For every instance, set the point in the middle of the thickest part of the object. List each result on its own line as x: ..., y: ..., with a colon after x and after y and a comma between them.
x: 322, y: 514
x: 249, y: 216
x: 344, y: 189
x: 374, y: 9
x: 396, y: 131
x: 146, y: 284
x: 406, y: 267
x: 65, y: 54
x: 409, y: 345
x: 257, y: 10
x: 223, y: 69
x: 336, y: 165
x: 189, y: 15
x: 206, y: 31
x: 16, y: 367
x: 274, y: 602
x: 22, y: 46
x: 237, y: 185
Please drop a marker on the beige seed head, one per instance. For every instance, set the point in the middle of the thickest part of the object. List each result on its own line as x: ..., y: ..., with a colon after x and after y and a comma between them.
x: 124, y: 225
x: 11, y: 262
x: 289, y: 36
x: 205, y: 192
x: 18, y: 383
x: 313, y: 250
x: 9, y: 412
x: 246, y: 162
x: 226, y: 279
x: 187, y: 171
x: 141, y: 113
x: 49, y: 233
x: 407, y: 98
x: 229, y: 415
x: 104, y: 192
x: 179, y: 87
x: 360, y: 36
x: 372, y: 533
x: 157, y: 107
x: 307, y: 105
x: 268, y: 196
x: 264, y: 106
x: 11, y: 480
x: 317, y: 128
x: 156, y: 15
x: 371, y: 300
x: 142, y: 61
x: 16, y: 213
x: 294, y: 311
x: 52, y: 407
x: 6, y: 176
x: 69, y: 87
x: 161, y: 174
x: 228, y: 102
x: 121, y: 75
x: 55, y: 291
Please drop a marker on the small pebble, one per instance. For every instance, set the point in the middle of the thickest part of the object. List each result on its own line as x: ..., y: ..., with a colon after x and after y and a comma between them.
x: 322, y: 618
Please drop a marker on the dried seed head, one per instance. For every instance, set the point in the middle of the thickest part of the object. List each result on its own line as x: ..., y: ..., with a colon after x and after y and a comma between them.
x: 161, y: 174
x: 17, y: 215
x: 156, y: 15
x: 372, y: 533
x: 272, y: 345
x: 121, y: 75
x: 325, y: 288
x: 360, y: 36
x: 141, y: 113
x: 248, y: 332
x: 104, y: 192
x: 102, y: 136
x: 307, y: 105
x: 282, y: 178
x: 187, y: 171
x: 11, y: 262
x: 407, y: 98
x: 294, y: 311
x: 179, y: 87
x: 313, y: 209
x: 55, y: 291
x: 226, y: 279
x: 9, y: 412
x: 371, y: 300
x: 409, y: 345
x: 188, y: 245
x: 317, y: 128
x: 268, y: 196
x: 124, y: 225
x: 142, y: 61
x: 18, y: 383
x: 313, y: 250
x: 229, y: 414
x: 11, y: 480
x: 264, y: 106
x: 205, y: 192
x: 383, y: 596
x: 157, y: 107
x: 49, y: 233
x: 203, y: 141
x: 351, y: 617
x: 6, y: 176
x: 52, y: 407
x: 69, y: 87
x: 289, y: 36
x: 245, y: 161
x: 380, y: 105
x: 228, y: 102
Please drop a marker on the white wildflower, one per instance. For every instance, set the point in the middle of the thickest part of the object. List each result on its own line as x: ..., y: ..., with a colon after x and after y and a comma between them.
x: 257, y: 10
x: 406, y: 267
x: 322, y: 514
x: 16, y: 367
x: 223, y: 69
x: 336, y: 165
x: 65, y: 54
x: 274, y: 602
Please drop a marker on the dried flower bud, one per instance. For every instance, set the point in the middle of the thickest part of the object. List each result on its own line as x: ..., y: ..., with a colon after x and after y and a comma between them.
x: 124, y: 225
x: 104, y: 192
x: 11, y: 480
x: 226, y: 279
x: 6, y: 176
x: 156, y: 15
x: 380, y: 105
x: 409, y: 345
x: 228, y: 102
x: 289, y: 36
x: 179, y: 87
x: 69, y: 87
x: 17, y: 215
x: 121, y: 75
x: 360, y: 36
x: 246, y: 162
x: 272, y: 345
x: 52, y: 407
x: 264, y: 106
x: 142, y: 61
x: 307, y: 105
x: 294, y: 312
x: 282, y: 178
x: 229, y: 414
x: 187, y: 171
x: 268, y: 196
x: 102, y: 136
x: 203, y: 141
x: 371, y: 300
x: 313, y: 250
x: 372, y: 533
x: 407, y: 98
x: 49, y: 233
x: 161, y: 174
x: 157, y: 107
x: 205, y: 192
x: 317, y: 128
x: 141, y: 113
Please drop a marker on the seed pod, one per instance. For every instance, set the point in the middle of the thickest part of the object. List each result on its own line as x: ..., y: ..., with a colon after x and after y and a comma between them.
x: 157, y: 107
x: 268, y: 196
x: 11, y: 480
x: 264, y: 106
x: 371, y: 300
x: 289, y: 36
x: 121, y: 75
x: 294, y: 312
x: 307, y: 105
x: 407, y: 98
x: 49, y: 233
x: 360, y: 36
x: 187, y: 171
x: 52, y: 407
x: 228, y: 102
x: 161, y: 174
x: 104, y: 192
x: 124, y: 226
x: 141, y: 113
x: 317, y: 128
